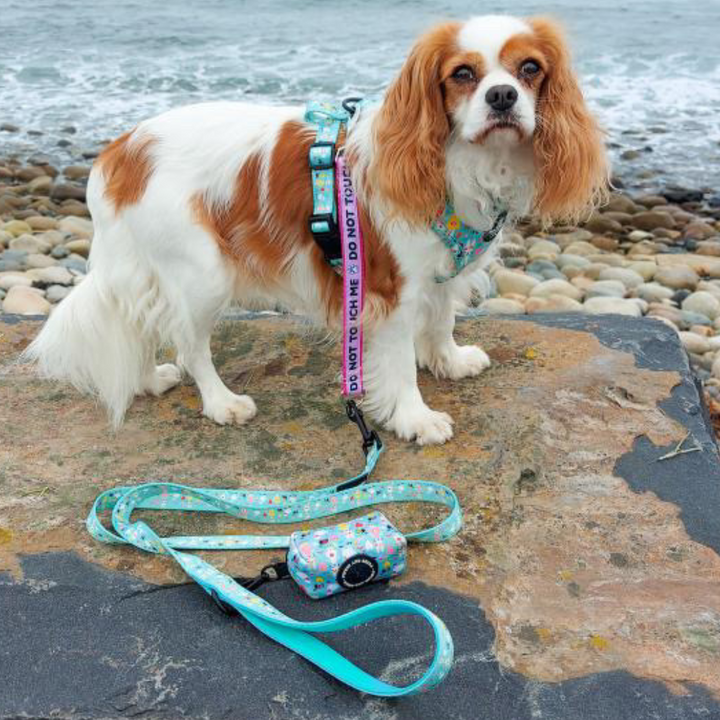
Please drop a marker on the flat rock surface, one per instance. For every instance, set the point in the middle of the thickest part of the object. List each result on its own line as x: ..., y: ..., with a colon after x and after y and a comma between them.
x: 585, y: 582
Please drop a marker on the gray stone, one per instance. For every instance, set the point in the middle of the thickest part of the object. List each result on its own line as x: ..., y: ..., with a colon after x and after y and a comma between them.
x: 21, y: 300
x: 502, y: 306
x: 677, y: 277
x: 513, y: 282
x: 704, y: 303
x: 652, y: 219
x: 629, y: 278
x: 14, y: 255
x: 556, y: 287
x: 606, y: 288
x: 74, y: 263
x: 653, y: 292
x: 613, y: 306
x: 30, y: 244
x: 56, y: 293
x: 59, y: 252
x: 693, y: 318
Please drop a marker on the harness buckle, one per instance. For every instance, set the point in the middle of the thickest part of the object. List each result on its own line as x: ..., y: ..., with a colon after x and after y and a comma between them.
x: 318, y: 163
x: 329, y: 238
x: 330, y: 233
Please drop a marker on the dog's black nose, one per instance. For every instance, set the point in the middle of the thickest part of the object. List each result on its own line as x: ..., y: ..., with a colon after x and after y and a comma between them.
x: 501, y: 97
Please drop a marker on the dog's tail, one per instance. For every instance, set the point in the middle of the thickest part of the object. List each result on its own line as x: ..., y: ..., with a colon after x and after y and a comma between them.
x: 92, y: 342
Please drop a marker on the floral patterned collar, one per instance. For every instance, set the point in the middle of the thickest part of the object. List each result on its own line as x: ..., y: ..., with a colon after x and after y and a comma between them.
x: 465, y: 244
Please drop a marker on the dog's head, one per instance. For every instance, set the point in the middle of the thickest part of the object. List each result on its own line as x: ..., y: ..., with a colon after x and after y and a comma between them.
x: 493, y: 82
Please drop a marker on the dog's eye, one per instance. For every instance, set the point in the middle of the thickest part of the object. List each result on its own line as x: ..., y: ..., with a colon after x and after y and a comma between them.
x: 528, y: 68
x: 464, y: 74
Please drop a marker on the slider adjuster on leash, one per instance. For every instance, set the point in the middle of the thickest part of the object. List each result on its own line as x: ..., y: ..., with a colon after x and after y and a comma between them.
x: 270, y: 573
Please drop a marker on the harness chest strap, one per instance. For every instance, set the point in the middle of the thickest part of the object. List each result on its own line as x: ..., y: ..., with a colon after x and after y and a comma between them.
x: 328, y: 119
x: 465, y: 244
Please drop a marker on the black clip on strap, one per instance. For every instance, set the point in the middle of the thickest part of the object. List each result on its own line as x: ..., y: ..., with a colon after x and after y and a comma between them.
x: 270, y: 573
x: 370, y: 439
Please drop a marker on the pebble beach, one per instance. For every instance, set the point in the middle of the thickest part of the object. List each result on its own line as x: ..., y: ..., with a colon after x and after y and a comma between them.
x: 653, y: 253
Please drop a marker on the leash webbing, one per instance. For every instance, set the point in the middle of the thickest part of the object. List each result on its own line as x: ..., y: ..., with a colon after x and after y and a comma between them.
x: 279, y: 507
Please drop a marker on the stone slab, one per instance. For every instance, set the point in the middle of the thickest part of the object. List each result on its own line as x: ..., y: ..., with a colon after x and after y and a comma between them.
x: 585, y: 583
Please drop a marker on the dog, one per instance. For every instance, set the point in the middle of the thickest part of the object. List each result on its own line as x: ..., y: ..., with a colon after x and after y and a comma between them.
x: 209, y: 204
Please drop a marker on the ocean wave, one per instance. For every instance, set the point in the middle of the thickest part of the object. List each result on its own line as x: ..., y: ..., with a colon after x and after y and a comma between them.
x: 134, y: 61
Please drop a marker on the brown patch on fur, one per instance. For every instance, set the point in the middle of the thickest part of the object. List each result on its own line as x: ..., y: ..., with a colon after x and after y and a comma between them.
x: 262, y: 241
x: 569, y: 150
x: 454, y: 90
x: 411, y: 130
x: 126, y: 166
x: 518, y: 49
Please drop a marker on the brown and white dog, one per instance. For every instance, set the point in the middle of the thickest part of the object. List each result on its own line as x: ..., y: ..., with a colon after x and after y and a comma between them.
x: 209, y: 204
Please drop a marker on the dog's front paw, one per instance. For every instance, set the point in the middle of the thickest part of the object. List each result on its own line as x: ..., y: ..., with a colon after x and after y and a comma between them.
x: 163, y: 378
x: 466, y: 361
x: 233, y: 409
x: 425, y: 426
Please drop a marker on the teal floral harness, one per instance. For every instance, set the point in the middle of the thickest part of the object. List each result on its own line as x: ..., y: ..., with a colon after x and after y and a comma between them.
x: 464, y: 243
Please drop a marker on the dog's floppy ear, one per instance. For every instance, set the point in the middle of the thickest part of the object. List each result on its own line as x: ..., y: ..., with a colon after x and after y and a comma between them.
x: 569, y: 149
x: 411, y: 131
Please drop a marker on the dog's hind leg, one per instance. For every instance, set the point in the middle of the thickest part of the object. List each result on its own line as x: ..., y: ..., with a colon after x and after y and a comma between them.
x: 219, y: 402
x: 197, y: 286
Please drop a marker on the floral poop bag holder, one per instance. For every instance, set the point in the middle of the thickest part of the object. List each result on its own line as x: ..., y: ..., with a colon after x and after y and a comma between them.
x: 322, y: 561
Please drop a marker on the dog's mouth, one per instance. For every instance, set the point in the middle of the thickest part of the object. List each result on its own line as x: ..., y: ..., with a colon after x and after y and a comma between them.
x: 500, y: 124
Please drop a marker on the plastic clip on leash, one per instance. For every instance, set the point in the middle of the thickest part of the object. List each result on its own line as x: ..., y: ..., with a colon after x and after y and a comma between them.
x: 270, y: 573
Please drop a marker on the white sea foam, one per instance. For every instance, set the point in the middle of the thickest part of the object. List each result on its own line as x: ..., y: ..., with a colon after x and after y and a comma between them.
x: 103, y: 66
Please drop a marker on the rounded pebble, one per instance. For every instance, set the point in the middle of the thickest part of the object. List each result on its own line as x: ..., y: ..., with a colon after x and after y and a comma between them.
x: 22, y: 300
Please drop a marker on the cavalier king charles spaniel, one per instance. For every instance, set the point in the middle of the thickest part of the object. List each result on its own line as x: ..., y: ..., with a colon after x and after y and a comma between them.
x: 209, y: 204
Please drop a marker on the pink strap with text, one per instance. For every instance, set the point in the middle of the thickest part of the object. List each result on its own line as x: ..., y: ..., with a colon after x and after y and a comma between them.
x: 353, y: 282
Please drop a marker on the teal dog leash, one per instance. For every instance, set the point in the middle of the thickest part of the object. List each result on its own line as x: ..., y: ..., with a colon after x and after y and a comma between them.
x: 278, y: 507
